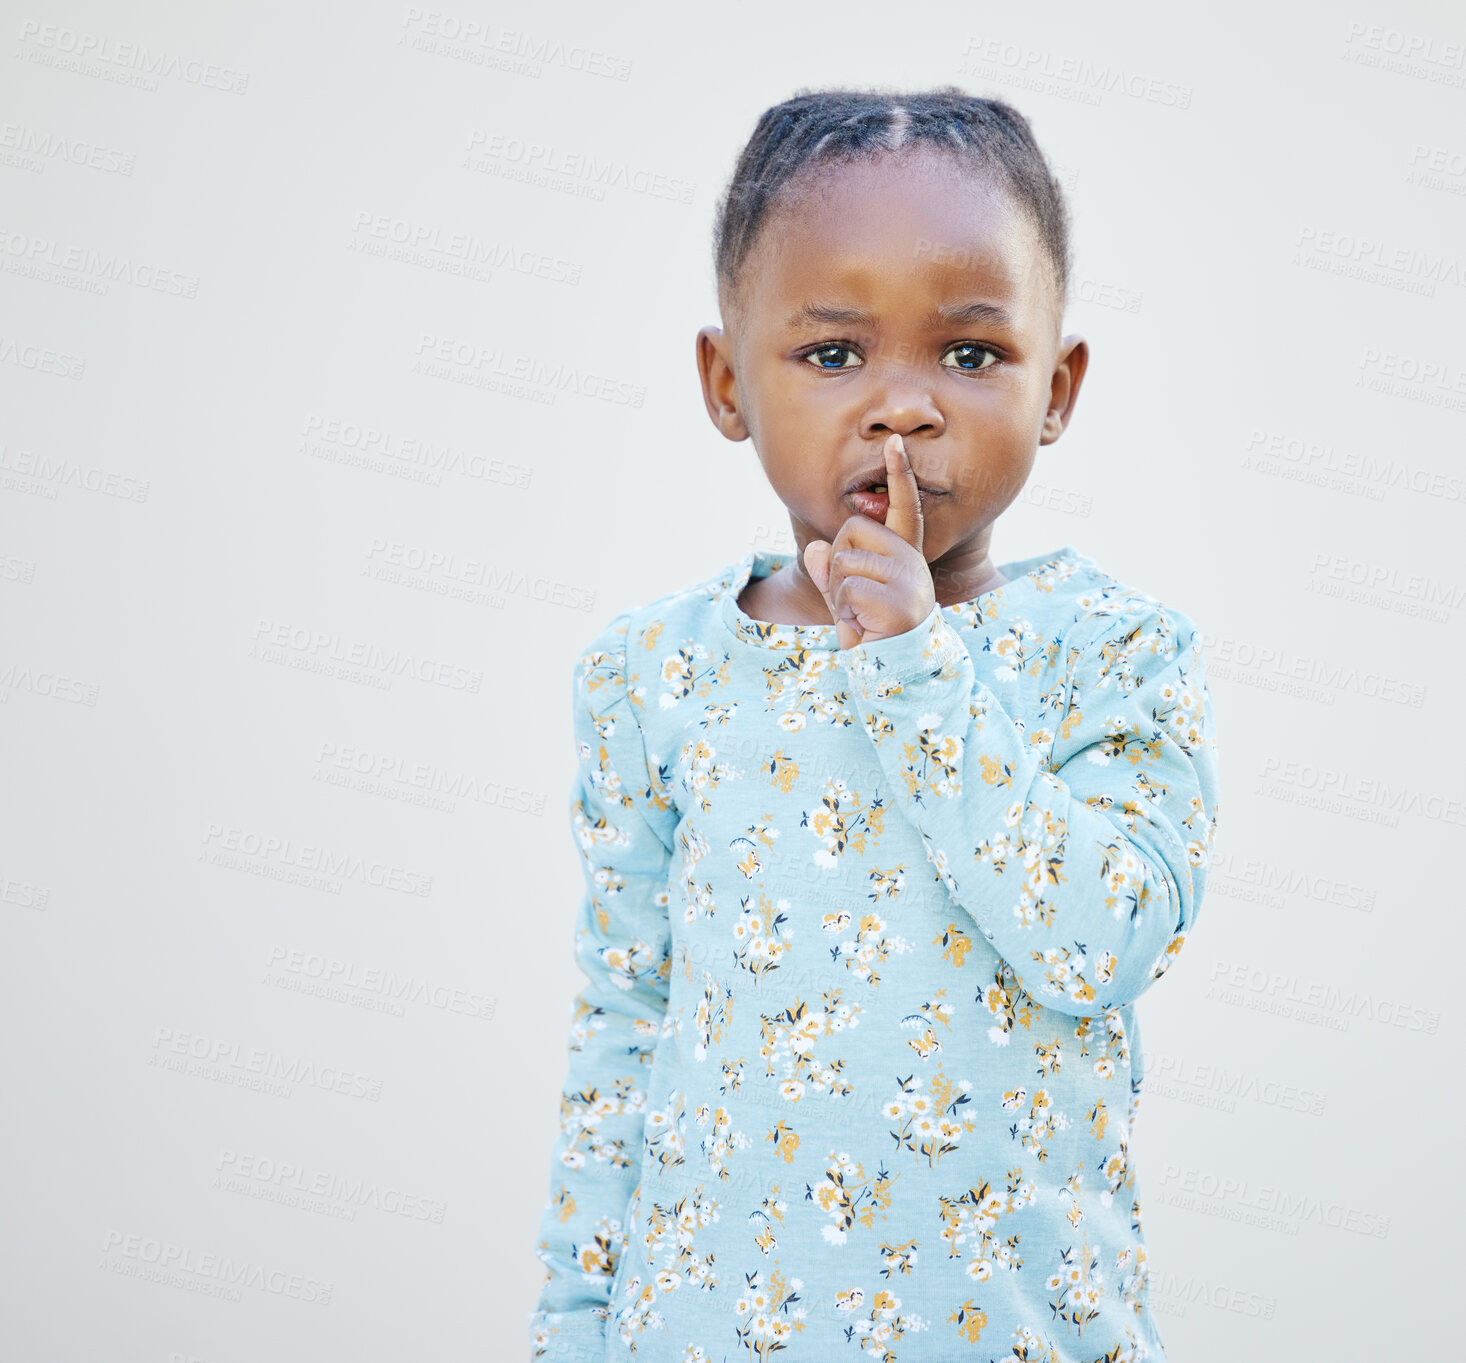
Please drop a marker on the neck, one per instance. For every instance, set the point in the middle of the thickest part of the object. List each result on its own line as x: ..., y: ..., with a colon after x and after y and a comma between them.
x: 954, y: 586
x: 956, y: 578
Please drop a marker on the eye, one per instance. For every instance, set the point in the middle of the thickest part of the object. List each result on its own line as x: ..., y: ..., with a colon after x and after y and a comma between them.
x: 832, y: 350
x: 970, y: 351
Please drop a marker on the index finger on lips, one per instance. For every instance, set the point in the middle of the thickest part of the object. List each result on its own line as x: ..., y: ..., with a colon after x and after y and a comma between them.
x: 903, y: 514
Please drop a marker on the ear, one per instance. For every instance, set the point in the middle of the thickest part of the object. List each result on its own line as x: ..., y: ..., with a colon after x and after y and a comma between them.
x: 1069, y: 367
x: 719, y: 384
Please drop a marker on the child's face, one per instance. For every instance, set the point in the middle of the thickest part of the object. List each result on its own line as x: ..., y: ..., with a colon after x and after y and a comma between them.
x: 888, y: 245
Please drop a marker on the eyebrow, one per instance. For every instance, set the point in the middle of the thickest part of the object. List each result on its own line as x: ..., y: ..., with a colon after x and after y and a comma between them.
x: 952, y: 314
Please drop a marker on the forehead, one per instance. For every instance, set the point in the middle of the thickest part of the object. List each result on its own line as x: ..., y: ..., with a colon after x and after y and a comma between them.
x: 898, y: 231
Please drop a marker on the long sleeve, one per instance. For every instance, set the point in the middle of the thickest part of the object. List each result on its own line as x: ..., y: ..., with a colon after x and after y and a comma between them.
x: 623, y: 825
x: 1080, y: 849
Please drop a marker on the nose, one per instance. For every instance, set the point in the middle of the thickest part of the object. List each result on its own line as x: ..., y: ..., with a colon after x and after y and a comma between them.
x: 902, y: 402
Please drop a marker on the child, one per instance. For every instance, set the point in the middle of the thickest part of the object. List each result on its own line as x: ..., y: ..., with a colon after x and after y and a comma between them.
x: 881, y: 840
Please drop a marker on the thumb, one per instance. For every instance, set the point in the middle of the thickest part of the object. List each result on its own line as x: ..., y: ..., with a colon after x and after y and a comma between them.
x: 817, y: 565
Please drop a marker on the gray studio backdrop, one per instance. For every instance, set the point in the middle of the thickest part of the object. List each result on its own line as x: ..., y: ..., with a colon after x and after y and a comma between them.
x: 302, y: 536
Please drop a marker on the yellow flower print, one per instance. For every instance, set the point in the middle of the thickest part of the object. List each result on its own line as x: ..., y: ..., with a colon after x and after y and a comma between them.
x: 763, y: 1219
x: 1208, y: 829
x: 1164, y: 961
x: 628, y: 964
x: 1021, y: 648
x: 1040, y: 1122
x: 930, y: 764
x: 763, y: 937
x: 884, y: 1325
x: 1130, y: 1266
x: 955, y: 944
x: 1077, y: 1287
x: 581, y: 1115
x: 670, y: 1238
x: 1050, y: 1056
x: 663, y: 1135
x: 1043, y: 740
x: 1181, y: 715
x: 786, y: 1141
x: 870, y: 948
x: 689, y: 671
x: 698, y: 900
x: 796, y: 690
x: 1117, y: 1047
x: 1070, y: 1194
x: 848, y: 1195
x: 842, y: 822
x: 588, y: 1019
x: 1119, y: 655
x: 969, y: 1319
x: 732, y: 1081
x: 1116, y: 1169
x: 721, y: 1141
x: 718, y: 716
x: 783, y: 771
x: 712, y: 1017
x: 791, y: 1035
x: 1064, y: 973
x: 929, y: 1123
x: 898, y: 1258
x: 968, y: 1222
x: 768, y: 1313
x: 1039, y: 851
x: 1008, y: 1004
x: 993, y: 772
x: 746, y: 845
x: 647, y: 636
x: 1121, y: 741
x: 935, y: 1012
x: 704, y: 772
x: 886, y: 884
x: 598, y: 1258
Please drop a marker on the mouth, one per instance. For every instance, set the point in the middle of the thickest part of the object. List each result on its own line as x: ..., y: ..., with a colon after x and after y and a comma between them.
x: 874, y: 481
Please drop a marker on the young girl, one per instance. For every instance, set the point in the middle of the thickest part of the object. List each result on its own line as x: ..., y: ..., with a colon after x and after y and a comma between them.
x: 881, y: 840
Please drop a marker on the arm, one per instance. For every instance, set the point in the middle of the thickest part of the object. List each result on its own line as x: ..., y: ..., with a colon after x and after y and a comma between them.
x: 623, y: 826
x: 1080, y: 850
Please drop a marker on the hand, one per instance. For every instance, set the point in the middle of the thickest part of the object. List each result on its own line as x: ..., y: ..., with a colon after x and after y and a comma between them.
x: 874, y: 577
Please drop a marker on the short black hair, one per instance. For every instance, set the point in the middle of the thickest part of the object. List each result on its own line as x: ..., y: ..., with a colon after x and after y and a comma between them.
x: 816, y: 127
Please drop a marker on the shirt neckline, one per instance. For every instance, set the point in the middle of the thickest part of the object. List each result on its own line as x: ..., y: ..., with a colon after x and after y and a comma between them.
x: 1023, y: 581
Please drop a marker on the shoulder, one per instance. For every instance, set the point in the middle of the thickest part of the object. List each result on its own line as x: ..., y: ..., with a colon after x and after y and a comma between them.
x: 638, y: 633
x: 1111, y: 630
x: 617, y: 670
x: 1098, y: 608
x: 1132, y: 648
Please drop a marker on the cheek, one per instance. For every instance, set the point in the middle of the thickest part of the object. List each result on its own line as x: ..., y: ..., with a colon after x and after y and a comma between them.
x: 1006, y: 406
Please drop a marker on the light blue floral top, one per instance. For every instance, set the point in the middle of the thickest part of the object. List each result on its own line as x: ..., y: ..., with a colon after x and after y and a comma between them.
x: 856, y: 1065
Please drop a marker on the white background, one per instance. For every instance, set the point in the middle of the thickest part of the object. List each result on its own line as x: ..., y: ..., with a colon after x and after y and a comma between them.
x: 203, y: 590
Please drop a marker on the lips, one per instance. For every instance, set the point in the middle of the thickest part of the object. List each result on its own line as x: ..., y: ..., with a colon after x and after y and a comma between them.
x: 876, y: 505
x: 876, y: 478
